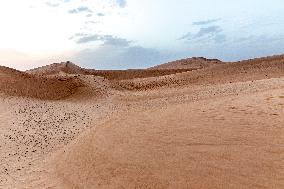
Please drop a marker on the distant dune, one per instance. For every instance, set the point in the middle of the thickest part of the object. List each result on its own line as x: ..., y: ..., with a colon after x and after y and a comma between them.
x: 189, y: 63
x: 66, y: 68
x: 57, y: 68
x: 61, y: 80
x: 248, y: 70
x: 194, y: 123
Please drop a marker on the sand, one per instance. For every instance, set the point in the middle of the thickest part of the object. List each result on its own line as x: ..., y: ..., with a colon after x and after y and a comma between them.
x: 216, y: 127
x: 189, y: 63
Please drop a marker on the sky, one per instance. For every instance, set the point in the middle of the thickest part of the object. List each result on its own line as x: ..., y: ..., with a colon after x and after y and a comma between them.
x: 123, y: 34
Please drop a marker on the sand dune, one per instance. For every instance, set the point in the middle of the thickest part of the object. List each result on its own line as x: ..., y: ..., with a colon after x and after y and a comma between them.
x: 67, y: 68
x: 57, y: 68
x: 51, y: 87
x: 189, y: 63
x: 171, y: 126
x: 17, y: 83
x: 248, y: 70
x: 115, y: 75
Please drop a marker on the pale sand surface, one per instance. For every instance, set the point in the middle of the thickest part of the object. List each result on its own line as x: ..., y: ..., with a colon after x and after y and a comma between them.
x: 231, y: 142
x: 194, y: 133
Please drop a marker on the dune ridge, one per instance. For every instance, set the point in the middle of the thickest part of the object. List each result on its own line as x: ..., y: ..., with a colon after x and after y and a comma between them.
x: 57, y: 68
x: 189, y: 63
x: 248, y: 70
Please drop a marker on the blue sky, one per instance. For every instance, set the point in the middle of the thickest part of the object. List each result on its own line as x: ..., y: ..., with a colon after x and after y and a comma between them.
x: 120, y: 34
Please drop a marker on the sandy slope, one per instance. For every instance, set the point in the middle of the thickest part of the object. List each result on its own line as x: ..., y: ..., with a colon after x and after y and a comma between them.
x: 233, y: 142
x: 16, y: 83
x: 189, y: 63
x: 218, y: 127
x: 67, y: 68
x: 231, y: 72
x: 57, y: 68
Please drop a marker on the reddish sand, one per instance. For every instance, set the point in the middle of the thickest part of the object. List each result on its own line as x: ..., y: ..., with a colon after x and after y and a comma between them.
x: 189, y: 63
x: 220, y: 126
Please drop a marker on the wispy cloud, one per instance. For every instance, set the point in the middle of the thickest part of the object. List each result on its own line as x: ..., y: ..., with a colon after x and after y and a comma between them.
x: 211, y: 30
x: 79, y: 10
x: 91, y: 22
x: 205, y: 22
x: 52, y: 4
x: 209, y: 33
x: 82, y: 38
x: 121, y: 3
x: 100, y: 14
x: 116, y: 41
x: 88, y: 38
x: 56, y: 3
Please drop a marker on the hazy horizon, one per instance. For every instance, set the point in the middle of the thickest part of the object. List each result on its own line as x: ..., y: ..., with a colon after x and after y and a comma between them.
x: 121, y: 34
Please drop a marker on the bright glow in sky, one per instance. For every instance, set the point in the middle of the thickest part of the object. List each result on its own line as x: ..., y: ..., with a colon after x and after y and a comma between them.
x: 118, y: 34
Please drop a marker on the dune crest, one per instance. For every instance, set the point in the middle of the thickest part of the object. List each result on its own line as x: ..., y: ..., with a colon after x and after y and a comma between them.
x: 57, y: 68
x: 248, y: 70
x: 189, y: 63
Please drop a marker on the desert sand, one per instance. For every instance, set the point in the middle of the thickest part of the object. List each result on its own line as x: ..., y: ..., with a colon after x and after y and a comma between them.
x: 195, y: 123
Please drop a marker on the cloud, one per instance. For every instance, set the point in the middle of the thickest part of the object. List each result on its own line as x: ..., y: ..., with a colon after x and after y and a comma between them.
x: 82, y: 38
x: 88, y: 38
x: 117, y: 53
x: 116, y: 41
x: 65, y: 1
x: 121, y: 3
x: 241, y: 48
x: 100, y: 14
x: 115, y: 57
x: 92, y: 22
x: 52, y: 4
x: 220, y: 38
x: 205, y: 22
x: 79, y: 10
x: 210, y: 33
x: 211, y: 30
